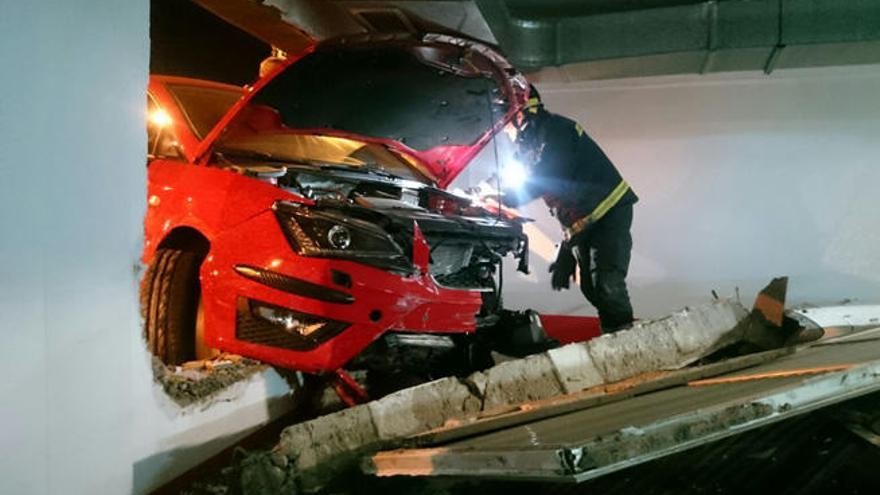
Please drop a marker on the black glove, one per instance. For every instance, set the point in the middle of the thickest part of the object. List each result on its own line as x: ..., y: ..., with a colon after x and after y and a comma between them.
x: 562, y: 269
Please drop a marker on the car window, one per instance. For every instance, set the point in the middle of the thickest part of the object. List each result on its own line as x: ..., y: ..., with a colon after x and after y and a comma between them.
x: 203, y: 107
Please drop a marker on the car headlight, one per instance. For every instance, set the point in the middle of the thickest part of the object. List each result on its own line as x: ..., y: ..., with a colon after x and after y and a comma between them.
x: 330, y: 234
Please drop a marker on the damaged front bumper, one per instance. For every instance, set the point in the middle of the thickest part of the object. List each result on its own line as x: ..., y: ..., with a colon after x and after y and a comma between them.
x: 315, y: 314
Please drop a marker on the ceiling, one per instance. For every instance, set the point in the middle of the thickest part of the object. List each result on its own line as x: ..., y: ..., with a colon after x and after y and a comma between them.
x: 596, y: 39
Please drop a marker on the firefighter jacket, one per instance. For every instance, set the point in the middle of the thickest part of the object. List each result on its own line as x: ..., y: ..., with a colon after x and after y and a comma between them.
x: 570, y: 172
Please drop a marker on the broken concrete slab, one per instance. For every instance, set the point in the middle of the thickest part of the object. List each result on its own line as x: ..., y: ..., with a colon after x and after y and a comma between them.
x: 322, y: 447
x: 665, y: 344
x: 628, y: 353
x: 326, y: 440
x: 702, y: 330
x: 575, y: 367
x: 522, y: 380
x: 423, y: 407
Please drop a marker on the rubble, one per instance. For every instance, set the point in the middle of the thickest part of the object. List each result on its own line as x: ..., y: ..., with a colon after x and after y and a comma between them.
x: 522, y: 380
x: 196, y: 381
x: 429, y: 405
x: 322, y: 448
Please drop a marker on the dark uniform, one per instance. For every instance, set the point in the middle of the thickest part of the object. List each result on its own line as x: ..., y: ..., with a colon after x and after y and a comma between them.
x: 592, y: 202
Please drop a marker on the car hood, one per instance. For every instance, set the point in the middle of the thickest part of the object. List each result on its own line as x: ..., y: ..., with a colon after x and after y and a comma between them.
x: 436, y: 98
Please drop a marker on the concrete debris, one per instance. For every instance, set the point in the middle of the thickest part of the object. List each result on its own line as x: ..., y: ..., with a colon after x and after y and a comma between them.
x: 575, y: 367
x: 196, y: 381
x: 429, y: 405
x: 523, y: 380
x: 322, y: 448
x: 266, y: 472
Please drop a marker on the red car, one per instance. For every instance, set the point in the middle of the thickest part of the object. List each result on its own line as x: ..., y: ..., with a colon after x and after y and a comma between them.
x: 303, y: 221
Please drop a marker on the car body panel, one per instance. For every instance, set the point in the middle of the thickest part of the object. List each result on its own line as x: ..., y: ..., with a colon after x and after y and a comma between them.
x: 413, y: 303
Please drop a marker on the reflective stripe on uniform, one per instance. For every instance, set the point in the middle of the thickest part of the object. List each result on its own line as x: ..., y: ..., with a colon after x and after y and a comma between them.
x: 533, y: 104
x: 600, y: 210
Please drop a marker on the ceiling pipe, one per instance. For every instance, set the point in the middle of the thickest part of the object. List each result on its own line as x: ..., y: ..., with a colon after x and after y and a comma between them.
x: 688, y: 37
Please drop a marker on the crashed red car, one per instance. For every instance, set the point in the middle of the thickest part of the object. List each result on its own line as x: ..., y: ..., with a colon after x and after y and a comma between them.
x: 303, y: 221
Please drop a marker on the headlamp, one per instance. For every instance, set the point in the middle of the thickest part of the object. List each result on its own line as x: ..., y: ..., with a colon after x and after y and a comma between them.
x: 326, y: 233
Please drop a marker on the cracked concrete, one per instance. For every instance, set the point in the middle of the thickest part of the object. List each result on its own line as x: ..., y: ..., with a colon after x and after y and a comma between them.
x: 429, y: 405
x: 522, y: 380
x: 575, y: 367
x: 324, y: 447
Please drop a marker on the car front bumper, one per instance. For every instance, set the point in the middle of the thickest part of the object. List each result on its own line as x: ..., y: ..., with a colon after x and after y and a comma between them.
x: 264, y: 301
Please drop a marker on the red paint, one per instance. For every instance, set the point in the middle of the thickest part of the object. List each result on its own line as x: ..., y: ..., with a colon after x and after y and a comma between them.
x: 349, y: 390
x: 567, y: 329
x: 421, y: 252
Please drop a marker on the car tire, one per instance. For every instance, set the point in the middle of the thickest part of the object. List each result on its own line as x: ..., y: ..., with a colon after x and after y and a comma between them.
x: 170, y: 295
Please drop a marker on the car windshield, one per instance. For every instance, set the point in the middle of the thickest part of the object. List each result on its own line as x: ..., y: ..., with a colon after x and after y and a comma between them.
x: 203, y: 106
x: 322, y: 151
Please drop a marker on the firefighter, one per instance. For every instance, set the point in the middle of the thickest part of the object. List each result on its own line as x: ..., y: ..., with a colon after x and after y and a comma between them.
x: 589, y: 198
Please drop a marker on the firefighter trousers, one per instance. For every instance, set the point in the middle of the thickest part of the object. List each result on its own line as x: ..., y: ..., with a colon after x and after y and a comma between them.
x: 603, y: 255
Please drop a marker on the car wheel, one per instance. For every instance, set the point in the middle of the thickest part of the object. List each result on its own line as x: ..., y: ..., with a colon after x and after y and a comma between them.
x: 170, y: 295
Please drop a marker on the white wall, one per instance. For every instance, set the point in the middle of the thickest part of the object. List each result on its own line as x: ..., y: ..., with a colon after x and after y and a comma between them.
x: 79, y: 411
x: 742, y: 177
x: 167, y: 440
x: 71, y: 198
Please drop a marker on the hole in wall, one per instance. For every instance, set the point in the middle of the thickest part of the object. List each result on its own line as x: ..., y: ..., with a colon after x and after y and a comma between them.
x: 187, y: 41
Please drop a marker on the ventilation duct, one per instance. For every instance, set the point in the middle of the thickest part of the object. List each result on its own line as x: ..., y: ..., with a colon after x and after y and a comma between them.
x: 598, y: 39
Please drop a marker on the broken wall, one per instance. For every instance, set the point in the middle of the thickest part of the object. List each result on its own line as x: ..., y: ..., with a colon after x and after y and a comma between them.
x: 741, y: 177
x: 80, y: 410
x: 72, y: 182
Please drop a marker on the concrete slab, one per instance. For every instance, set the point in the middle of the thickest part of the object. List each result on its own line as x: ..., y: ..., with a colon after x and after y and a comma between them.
x: 321, y: 447
x: 703, y: 329
x: 628, y: 353
x: 575, y: 368
x: 323, y: 440
x: 521, y: 380
x: 414, y: 410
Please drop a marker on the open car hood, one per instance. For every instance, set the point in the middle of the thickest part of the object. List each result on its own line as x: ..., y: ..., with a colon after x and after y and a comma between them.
x: 435, y: 98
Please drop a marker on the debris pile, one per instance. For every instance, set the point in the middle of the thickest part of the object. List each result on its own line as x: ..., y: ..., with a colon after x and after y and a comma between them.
x: 195, y: 381
x: 320, y: 449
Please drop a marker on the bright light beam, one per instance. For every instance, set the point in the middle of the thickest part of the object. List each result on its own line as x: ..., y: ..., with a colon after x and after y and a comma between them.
x: 513, y: 175
x: 159, y: 117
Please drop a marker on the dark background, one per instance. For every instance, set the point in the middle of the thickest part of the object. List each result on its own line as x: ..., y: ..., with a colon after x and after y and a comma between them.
x: 187, y: 40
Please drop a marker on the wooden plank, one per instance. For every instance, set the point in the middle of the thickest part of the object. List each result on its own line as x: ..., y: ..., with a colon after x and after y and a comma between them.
x: 769, y: 375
